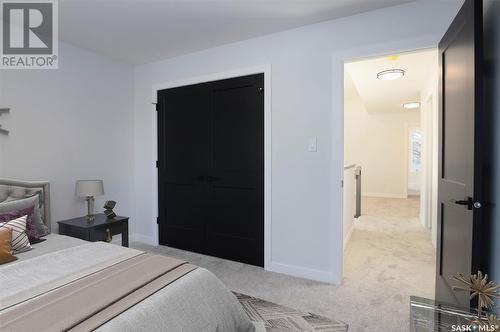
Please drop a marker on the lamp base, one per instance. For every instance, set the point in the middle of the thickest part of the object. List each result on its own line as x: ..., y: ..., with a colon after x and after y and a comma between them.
x: 90, y: 208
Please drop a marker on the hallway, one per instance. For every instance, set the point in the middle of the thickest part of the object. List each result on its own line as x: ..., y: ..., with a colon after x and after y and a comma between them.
x: 390, y: 256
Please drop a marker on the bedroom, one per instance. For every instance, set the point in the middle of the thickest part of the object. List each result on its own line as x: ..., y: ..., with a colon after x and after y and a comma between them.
x: 93, y: 117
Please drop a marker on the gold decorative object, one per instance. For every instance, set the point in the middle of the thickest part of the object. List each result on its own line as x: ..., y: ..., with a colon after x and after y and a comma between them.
x: 485, y: 290
x: 494, y: 321
x: 108, y: 236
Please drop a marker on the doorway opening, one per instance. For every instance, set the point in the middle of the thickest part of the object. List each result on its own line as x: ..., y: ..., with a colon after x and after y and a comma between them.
x: 390, y: 174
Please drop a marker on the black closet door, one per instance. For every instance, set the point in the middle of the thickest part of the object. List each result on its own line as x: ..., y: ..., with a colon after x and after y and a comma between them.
x: 211, y: 168
x: 236, y: 223
x: 183, y: 158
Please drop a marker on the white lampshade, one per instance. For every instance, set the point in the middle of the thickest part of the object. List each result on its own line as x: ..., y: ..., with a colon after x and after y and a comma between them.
x: 88, y: 188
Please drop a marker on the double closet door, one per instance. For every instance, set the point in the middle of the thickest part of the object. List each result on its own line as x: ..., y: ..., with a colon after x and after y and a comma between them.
x: 211, y: 168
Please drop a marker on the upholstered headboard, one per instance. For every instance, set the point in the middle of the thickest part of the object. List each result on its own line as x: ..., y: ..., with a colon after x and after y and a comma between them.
x: 17, y: 189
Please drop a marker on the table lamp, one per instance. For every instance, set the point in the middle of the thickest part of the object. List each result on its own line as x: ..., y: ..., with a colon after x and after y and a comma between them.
x: 89, y: 189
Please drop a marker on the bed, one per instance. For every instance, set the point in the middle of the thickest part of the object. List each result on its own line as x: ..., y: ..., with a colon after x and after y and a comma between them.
x: 67, y: 284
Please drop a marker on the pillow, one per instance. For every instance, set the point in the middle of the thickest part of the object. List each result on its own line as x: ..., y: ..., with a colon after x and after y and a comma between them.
x: 26, y: 203
x: 31, y: 230
x: 5, y: 247
x: 20, y: 240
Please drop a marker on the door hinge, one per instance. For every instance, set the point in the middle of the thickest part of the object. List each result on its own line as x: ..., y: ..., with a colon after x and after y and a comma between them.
x: 157, y: 220
x: 157, y: 106
x: 157, y: 164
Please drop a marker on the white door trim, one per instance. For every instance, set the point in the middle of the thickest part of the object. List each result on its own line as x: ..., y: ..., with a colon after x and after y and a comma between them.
x: 338, y: 60
x: 426, y: 214
x: 266, y: 70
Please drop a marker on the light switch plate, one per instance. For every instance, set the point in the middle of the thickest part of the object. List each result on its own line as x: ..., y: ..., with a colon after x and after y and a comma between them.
x: 312, y: 144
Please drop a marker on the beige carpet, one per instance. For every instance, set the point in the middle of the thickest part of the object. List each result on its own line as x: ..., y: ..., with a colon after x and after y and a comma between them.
x: 389, y: 258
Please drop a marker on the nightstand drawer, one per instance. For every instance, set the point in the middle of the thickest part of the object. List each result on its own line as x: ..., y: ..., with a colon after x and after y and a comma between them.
x: 99, y: 233
x: 79, y: 233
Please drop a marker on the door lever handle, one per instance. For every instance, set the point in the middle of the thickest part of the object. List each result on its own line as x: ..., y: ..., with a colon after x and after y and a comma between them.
x: 468, y: 202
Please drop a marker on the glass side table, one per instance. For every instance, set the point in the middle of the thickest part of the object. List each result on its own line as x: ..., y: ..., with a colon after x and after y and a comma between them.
x: 430, y: 316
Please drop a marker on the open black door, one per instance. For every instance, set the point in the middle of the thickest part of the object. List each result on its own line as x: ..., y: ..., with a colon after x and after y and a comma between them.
x: 459, y: 227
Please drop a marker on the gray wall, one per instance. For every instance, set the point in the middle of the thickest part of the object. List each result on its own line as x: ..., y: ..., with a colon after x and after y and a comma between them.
x: 71, y: 123
x: 491, y: 168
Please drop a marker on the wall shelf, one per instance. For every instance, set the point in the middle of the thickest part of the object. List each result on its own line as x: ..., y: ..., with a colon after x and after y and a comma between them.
x: 4, y: 110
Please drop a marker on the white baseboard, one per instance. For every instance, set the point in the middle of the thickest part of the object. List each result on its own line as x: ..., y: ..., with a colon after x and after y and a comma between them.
x: 302, y: 272
x: 349, y: 233
x: 384, y: 195
x: 143, y: 239
x: 296, y: 271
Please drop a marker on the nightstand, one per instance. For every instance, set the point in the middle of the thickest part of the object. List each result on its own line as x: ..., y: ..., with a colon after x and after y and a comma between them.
x: 95, y: 230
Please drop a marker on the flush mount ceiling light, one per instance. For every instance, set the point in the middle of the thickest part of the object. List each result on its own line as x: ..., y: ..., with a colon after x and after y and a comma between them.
x: 412, y: 105
x: 391, y: 74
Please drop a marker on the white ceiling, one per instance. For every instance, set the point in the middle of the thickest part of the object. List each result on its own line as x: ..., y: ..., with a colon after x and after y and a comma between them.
x: 388, y: 96
x: 142, y: 31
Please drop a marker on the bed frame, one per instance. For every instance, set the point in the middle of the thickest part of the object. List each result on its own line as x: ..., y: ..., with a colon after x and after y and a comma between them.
x: 11, y: 189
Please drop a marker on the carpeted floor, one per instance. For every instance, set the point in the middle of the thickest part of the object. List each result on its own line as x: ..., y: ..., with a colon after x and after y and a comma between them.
x: 388, y: 258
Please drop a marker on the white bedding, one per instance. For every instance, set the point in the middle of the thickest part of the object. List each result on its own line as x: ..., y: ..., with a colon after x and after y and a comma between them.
x: 196, y: 302
x: 53, y: 242
x: 28, y: 278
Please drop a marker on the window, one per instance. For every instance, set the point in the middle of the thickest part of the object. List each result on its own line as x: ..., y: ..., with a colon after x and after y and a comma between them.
x: 415, y: 150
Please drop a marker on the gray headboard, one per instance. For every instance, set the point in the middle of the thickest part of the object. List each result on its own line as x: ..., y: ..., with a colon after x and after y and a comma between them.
x: 18, y: 189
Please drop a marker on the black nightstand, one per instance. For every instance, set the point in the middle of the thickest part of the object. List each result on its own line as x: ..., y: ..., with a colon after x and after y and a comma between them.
x: 95, y: 230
